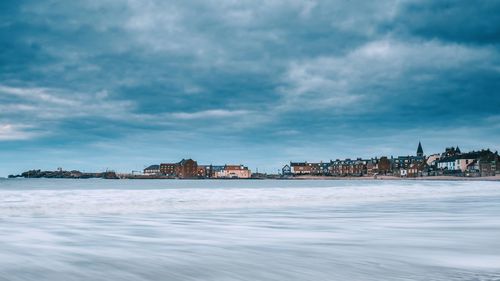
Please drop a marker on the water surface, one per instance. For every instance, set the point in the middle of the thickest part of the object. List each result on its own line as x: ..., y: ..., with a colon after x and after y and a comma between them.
x: 248, y: 230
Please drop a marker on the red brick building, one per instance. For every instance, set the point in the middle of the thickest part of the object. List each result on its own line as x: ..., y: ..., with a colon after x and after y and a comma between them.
x: 187, y: 168
x: 168, y: 169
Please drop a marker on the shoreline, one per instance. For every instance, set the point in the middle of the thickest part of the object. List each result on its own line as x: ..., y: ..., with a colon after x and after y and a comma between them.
x: 395, y: 178
x: 299, y: 178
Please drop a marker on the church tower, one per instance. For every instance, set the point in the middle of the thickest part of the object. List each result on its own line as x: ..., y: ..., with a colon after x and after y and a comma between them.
x: 420, y: 151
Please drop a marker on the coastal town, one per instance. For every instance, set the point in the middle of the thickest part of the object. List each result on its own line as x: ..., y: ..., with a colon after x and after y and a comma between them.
x: 452, y: 162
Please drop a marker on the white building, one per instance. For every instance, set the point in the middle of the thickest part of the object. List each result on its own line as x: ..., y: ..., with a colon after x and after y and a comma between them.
x: 152, y: 170
x: 447, y: 163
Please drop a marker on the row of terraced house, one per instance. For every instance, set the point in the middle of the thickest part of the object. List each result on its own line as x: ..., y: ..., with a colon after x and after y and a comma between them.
x: 451, y: 162
x: 190, y: 169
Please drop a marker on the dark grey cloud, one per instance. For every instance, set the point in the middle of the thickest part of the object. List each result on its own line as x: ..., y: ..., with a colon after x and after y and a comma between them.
x: 468, y: 22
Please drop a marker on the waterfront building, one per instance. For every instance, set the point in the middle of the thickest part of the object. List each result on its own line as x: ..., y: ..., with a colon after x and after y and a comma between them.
x: 286, y: 170
x: 403, y: 172
x: 319, y: 169
x: 417, y: 170
x: 447, y: 163
x: 152, y: 170
x: 371, y: 167
x: 301, y: 168
x: 462, y: 161
x: 324, y: 168
x: 475, y: 163
x: 473, y: 169
x: 203, y: 171
x: 168, y: 169
x: 487, y: 168
x: 215, y: 170
x: 348, y: 167
x: 186, y: 168
x: 433, y: 159
x: 234, y: 172
x: 404, y: 162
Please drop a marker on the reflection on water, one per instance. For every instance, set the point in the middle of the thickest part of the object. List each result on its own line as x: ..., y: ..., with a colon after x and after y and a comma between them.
x: 248, y: 230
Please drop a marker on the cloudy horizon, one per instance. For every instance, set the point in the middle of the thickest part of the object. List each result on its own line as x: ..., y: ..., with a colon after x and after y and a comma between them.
x: 96, y: 85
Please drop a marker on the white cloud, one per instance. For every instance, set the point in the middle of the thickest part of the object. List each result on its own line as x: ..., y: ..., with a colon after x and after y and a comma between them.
x: 37, y: 94
x: 44, y: 108
x: 209, y: 114
x: 53, y: 104
x: 10, y: 132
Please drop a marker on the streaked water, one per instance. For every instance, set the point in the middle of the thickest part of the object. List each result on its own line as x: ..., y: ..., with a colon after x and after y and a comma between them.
x: 249, y: 230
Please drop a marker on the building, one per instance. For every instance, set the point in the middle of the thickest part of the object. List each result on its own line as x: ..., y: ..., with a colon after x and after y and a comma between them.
x: 462, y: 161
x: 215, y: 170
x: 405, y: 162
x: 403, y: 172
x: 451, y: 151
x: 447, y: 165
x: 234, y: 172
x: 348, y: 167
x: 475, y: 163
x: 286, y: 170
x: 473, y: 169
x: 324, y: 168
x: 186, y: 168
x: 319, y: 169
x: 203, y: 171
x: 487, y: 168
x: 371, y: 167
x: 402, y: 164
x: 420, y: 151
x: 300, y: 168
x: 417, y: 170
x: 152, y: 170
x: 168, y: 169
x: 433, y: 159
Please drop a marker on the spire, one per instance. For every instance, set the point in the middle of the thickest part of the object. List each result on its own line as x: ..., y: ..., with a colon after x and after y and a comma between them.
x: 420, y: 151
x: 458, y: 150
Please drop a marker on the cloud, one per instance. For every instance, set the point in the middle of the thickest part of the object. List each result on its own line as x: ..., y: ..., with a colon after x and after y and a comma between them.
x: 380, y: 70
x: 53, y: 103
x: 45, y: 109
x: 10, y: 132
x: 471, y: 22
x: 209, y: 114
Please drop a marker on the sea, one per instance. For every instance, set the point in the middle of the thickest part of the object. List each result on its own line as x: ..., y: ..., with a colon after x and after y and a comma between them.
x: 255, y: 230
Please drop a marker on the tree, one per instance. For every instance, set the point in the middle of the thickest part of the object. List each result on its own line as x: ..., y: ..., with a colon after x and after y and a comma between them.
x: 384, y: 165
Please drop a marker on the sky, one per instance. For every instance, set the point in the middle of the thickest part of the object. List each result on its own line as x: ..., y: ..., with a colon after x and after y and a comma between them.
x: 121, y: 84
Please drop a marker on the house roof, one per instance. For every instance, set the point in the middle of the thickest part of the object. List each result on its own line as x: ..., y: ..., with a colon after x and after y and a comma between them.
x: 419, y: 149
x: 472, y: 164
x: 184, y: 161
x: 235, y: 167
x: 447, y: 159
x: 153, y: 167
